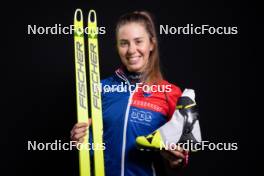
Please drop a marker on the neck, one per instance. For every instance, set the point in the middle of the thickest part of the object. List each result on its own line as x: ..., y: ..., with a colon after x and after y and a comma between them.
x: 133, y: 76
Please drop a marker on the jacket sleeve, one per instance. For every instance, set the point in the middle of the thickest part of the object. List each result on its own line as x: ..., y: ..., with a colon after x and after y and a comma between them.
x: 172, y: 99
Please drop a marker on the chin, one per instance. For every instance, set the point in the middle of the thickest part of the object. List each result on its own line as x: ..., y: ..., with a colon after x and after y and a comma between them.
x: 134, y: 69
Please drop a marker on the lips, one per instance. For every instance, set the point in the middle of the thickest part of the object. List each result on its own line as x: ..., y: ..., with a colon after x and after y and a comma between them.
x: 134, y: 59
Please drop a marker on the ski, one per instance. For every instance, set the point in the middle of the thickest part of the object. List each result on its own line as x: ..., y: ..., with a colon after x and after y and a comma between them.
x: 96, y: 103
x: 95, y: 93
x: 81, y: 89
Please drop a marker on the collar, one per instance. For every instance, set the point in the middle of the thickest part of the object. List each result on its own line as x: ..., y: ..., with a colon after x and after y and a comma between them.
x: 130, y: 77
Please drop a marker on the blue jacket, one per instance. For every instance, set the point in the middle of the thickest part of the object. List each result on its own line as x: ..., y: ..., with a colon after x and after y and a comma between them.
x: 127, y: 115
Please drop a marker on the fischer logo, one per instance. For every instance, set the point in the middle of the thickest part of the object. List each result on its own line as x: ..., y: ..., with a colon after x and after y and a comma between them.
x: 81, y: 75
x: 141, y: 117
x: 95, y: 77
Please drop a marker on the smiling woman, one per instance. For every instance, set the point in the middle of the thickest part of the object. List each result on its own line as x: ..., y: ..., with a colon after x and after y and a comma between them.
x: 138, y: 46
x: 134, y: 46
x: 136, y: 112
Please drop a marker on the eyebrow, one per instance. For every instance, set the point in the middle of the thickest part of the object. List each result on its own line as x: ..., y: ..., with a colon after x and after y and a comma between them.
x: 138, y: 38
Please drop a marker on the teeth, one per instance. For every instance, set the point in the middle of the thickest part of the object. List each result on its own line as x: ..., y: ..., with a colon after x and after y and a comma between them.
x: 133, y: 59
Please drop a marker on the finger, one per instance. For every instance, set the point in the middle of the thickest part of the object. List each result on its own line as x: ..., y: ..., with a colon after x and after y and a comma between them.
x: 167, y: 155
x: 81, y: 124
x: 180, y: 149
x: 176, y: 154
x: 77, y: 137
x: 80, y: 130
x: 176, y: 163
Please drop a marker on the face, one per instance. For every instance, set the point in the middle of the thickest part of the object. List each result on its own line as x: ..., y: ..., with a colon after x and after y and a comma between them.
x: 134, y: 46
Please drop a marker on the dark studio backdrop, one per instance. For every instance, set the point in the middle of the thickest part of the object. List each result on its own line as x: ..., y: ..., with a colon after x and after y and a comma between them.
x: 44, y: 90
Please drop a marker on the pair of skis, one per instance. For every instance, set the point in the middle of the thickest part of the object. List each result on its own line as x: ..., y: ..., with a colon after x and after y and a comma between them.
x: 81, y: 92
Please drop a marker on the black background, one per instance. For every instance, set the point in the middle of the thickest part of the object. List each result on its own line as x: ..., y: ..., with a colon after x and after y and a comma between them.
x: 40, y: 95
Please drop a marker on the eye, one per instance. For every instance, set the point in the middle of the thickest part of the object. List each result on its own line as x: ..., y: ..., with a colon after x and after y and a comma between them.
x: 123, y: 43
x: 139, y: 41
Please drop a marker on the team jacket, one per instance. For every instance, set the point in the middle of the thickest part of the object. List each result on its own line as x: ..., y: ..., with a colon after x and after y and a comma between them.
x: 129, y: 114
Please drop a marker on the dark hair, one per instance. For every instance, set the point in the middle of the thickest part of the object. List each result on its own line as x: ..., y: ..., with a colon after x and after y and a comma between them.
x: 152, y: 72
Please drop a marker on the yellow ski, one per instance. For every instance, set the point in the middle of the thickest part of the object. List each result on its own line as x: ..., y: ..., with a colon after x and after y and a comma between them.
x: 81, y: 89
x: 96, y: 104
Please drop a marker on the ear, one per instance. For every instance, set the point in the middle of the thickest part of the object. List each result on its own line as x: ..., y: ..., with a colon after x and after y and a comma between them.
x: 152, y: 43
x: 151, y: 47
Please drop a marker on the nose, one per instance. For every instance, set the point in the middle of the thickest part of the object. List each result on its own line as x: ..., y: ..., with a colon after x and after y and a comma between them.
x: 131, y: 49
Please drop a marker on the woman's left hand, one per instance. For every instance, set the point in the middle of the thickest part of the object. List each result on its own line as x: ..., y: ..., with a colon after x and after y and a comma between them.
x: 176, y: 158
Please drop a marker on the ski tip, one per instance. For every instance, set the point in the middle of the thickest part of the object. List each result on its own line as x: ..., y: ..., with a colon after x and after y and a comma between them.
x: 78, y: 16
x: 92, y: 16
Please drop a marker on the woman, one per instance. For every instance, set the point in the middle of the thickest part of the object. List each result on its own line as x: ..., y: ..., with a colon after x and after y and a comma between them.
x: 128, y: 114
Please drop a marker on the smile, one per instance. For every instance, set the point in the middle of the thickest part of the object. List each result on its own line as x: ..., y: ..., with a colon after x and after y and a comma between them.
x: 134, y: 59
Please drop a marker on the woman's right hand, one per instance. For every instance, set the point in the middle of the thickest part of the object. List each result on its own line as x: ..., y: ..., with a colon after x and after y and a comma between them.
x: 79, y: 131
